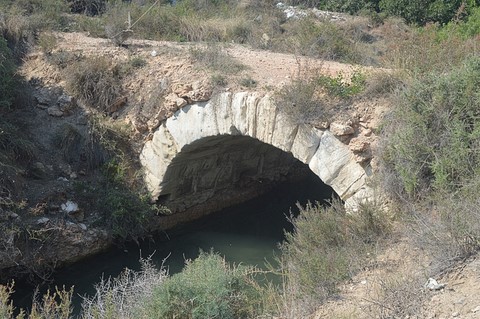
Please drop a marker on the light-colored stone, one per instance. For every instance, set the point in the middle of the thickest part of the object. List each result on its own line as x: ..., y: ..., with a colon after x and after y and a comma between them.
x: 265, y: 119
x: 306, y: 142
x: 179, y: 102
x: 192, y: 123
x: 335, y: 165
x: 69, y: 206
x: 340, y: 129
x: 432, y: 284
x: 359, y: 145
x: 285, y: 131
x: 249, y: 114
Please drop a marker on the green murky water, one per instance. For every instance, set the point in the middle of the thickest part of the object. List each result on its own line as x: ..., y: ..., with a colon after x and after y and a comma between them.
x: 247, y: 233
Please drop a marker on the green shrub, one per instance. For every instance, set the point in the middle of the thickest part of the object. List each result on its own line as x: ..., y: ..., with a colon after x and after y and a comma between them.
x: 339, y: 87
x: 421, y: 11
x: 88, y: 7
x: 138, y: 62
x: 435, y: 131
x: 350, y: 6
x: 325, y: 248
x: 248, y: 82
x: 463, y: 28
x: 207, y: 288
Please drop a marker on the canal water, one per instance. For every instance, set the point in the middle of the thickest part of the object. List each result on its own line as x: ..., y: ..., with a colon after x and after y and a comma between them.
x: 248, y: 233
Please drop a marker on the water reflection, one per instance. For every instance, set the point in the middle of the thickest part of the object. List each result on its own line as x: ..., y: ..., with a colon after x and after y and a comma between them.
x: 248, y: 233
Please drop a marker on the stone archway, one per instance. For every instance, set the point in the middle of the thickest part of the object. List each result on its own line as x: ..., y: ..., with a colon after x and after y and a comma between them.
x: 252, y: 115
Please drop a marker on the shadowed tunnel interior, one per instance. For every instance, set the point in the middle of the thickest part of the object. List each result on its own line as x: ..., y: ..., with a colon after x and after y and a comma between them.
x: 220, y: 171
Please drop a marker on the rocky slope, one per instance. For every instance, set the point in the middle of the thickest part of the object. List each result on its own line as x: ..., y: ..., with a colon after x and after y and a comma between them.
x: 170, y: 80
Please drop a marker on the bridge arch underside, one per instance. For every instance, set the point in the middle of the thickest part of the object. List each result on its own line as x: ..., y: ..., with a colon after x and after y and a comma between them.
x: 247, y: 130
x: 219, y: 171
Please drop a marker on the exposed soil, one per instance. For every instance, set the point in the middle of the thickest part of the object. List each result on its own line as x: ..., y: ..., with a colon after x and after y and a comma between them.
x: 393, y: 286
x: 170, y: 68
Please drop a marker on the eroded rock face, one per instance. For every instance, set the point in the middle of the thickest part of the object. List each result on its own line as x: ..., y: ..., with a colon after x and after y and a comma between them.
x: 252, y: 115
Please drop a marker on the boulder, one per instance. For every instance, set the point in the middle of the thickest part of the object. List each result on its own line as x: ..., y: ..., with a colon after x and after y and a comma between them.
x: 341, y: 129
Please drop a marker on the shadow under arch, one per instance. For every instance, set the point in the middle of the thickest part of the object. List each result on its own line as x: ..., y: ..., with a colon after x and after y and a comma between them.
x: 220, y: 171
x: 216, y: 127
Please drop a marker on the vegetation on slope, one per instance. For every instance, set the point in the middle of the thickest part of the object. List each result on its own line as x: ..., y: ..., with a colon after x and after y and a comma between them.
x: 430, y: 156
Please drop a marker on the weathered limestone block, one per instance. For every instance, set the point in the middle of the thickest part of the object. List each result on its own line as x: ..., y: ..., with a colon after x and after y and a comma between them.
x: 265, y: 119
x: 239, y: 112
x: 223, y: 109
x: 334, y: 164
x: 285, y: 132
x: 157, y: 154
x: 251, y: 111
x: 192, y: 123
x: 306, y: 142
x: 363, y: 195
x: 341, y: 129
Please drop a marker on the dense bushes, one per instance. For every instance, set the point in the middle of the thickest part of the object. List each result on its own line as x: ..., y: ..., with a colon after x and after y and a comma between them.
x: 55, y: 304
x: 434, y: 144
x: 207, y: 288
x: 420, y: 11
x: 416, y: 11
x: 327, y: 246
x: 432, y: 159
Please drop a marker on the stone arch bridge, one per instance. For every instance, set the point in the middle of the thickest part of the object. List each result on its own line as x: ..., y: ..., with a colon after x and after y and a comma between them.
x: 240, y: 140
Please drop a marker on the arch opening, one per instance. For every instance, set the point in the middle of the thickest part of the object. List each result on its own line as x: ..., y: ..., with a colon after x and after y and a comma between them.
x: 197, y: 129
x: 220, y: 171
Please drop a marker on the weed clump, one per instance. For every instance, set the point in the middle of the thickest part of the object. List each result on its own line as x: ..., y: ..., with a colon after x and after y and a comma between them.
x: 313, y: 97
x: 432, y: 159
x: 326, y: 247
x: 96, y: 81
x: 57, y: 304
x: 214, y: 57
x: 207, y: 288
x: 436, y: 147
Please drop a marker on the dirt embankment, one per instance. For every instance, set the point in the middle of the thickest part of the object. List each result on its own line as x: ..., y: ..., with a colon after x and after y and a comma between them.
x: 170, y: 79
